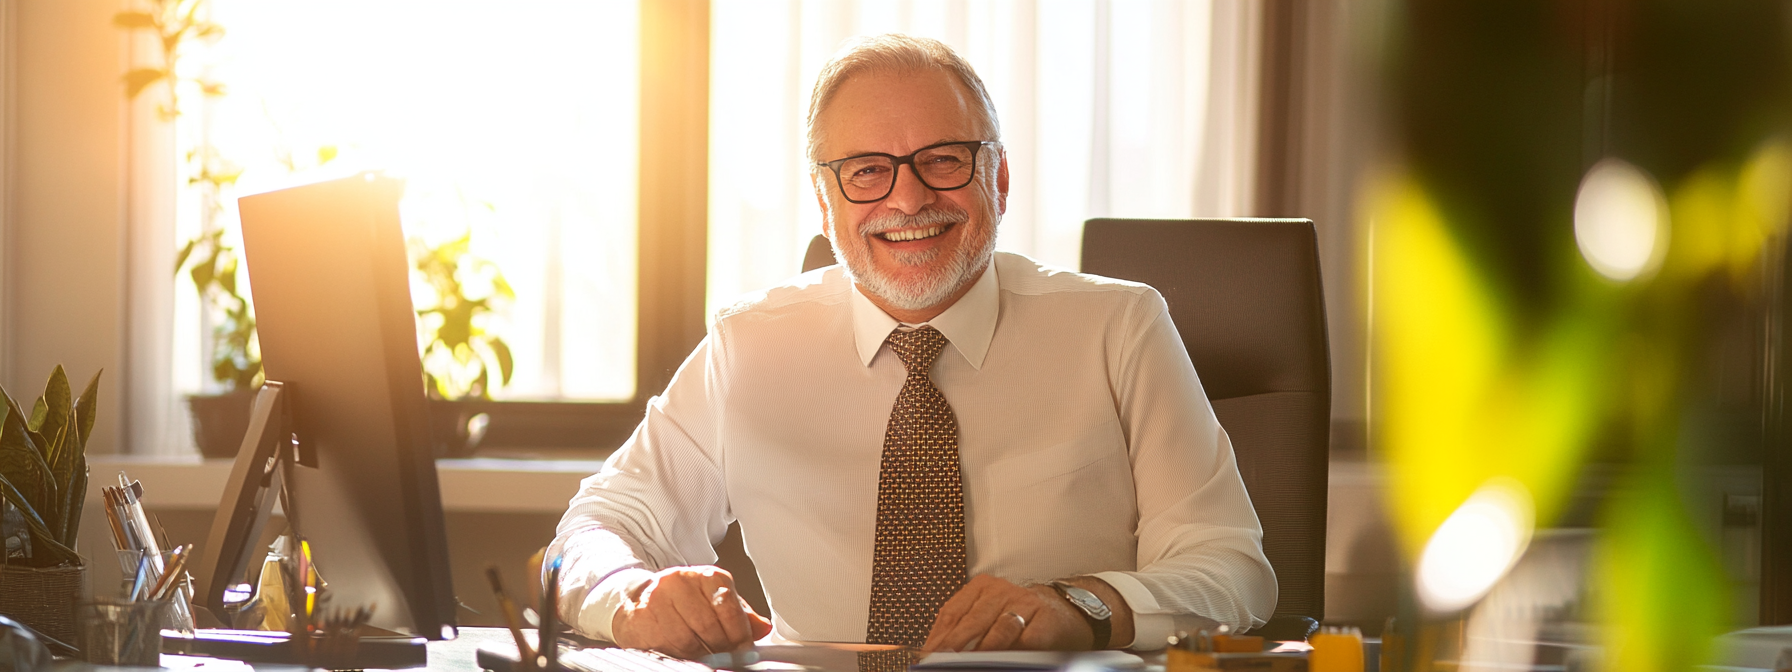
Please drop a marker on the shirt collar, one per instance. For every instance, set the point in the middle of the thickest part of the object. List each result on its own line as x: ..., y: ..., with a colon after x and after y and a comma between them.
x: 969, y: 325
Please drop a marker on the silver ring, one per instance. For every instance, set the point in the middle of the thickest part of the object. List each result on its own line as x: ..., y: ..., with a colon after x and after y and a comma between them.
x: 1018, y: 617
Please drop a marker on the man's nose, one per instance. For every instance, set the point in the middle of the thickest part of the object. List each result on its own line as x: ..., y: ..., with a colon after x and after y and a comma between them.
x: 909, y: 195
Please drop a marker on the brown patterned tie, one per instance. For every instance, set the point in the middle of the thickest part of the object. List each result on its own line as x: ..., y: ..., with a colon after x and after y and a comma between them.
x: 918, y: 561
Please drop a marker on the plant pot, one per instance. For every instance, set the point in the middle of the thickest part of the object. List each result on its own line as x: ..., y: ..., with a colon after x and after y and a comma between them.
x: 220, y: 421
x: 456, y: 427
x: 43, y: 598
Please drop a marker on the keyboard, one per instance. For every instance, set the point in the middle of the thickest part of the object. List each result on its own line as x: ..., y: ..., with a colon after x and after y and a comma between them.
x: 626, y: 660
x: 503, y: 659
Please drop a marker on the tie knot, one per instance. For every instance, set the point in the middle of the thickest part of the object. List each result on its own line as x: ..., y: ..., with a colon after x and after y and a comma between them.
x: 917, y: 348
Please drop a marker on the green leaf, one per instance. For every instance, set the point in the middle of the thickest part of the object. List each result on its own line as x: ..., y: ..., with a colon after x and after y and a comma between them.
x: 326, y: 154
x: 202, y: 274
x: 39, y: 410
x: 227, y: 275
x: 139, y: 79
x: 208, y: 31
x: 22, y: 462
x: 57, y: 514
x: 85, y: 407
x: 52, y: 552
x: 74, y: 499
x: 180, y: 260
x: 505, y: 364
x: 58, y: 401
x: 134, y: 20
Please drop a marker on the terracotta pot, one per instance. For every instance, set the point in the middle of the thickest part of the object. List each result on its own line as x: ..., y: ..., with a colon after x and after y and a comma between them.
x: 43, y: 598
x: 220, y: 420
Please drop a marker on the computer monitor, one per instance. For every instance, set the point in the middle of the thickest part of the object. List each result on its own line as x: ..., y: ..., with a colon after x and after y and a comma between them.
x: 330, y: 279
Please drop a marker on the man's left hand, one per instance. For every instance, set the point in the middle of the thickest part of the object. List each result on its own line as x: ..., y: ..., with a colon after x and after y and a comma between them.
x: 990, y: 613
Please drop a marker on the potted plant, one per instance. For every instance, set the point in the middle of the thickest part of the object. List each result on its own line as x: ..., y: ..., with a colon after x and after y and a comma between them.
x: 461, y: 351
x: 43, y: 483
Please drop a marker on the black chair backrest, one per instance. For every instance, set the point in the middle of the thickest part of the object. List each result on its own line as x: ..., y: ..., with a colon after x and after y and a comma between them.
x: 1246, y: 296
x: 820, y: 254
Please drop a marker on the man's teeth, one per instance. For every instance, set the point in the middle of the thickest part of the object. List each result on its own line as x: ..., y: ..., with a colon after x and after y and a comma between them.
x: 913, y: 234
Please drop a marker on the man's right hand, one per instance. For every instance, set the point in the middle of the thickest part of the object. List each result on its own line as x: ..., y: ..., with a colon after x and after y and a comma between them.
x: 688, y: 612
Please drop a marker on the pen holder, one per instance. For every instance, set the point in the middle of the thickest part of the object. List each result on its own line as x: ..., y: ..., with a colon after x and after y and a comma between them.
x: 117, y: 632
x: 180, y: 615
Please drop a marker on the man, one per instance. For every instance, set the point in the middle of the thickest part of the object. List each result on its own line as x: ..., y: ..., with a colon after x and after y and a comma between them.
x: 936, y: 445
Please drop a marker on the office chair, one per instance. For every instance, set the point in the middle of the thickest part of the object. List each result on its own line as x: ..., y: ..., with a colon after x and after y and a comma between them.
x: 1246, y: 296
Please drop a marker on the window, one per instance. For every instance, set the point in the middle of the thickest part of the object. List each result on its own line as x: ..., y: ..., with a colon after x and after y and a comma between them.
x: 513, y: 123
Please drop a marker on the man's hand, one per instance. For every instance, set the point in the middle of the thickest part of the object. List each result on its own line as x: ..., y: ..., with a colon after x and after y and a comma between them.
x: 989, y: 613
x: 688, y: 612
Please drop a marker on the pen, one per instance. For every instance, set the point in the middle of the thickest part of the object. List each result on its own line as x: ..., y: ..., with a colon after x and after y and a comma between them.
x: 177, y: 562
x: 141, y: 578
x: 512, y: 619
x: 118, y: 538
x: 550, y: 618
x: 132, y: 493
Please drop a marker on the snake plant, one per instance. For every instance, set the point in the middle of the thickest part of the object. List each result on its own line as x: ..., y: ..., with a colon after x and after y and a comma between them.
x: 43, y: 473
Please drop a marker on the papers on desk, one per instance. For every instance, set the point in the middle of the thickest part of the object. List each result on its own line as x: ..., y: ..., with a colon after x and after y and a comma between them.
x: 1030, y: 660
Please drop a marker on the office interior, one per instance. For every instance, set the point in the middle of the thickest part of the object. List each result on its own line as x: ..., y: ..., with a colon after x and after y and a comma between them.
x: 1450, y: 155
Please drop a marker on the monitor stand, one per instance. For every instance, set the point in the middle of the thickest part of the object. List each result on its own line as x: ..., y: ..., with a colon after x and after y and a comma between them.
x: 271, y: 448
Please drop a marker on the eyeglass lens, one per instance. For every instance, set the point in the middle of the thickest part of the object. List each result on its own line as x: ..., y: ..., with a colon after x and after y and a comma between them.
x: 944, y: 168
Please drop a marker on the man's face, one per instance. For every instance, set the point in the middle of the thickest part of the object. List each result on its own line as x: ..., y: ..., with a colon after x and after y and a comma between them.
x: 918, y: 249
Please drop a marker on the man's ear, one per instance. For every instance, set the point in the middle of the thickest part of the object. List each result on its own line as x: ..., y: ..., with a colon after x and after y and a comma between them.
x: 820, y: 202
x: 1002, y: 185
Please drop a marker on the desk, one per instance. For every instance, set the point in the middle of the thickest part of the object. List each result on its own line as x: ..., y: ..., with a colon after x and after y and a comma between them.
x: 457, y: 655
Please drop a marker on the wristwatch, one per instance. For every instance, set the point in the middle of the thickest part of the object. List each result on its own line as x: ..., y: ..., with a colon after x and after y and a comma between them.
x: 1094, y: 611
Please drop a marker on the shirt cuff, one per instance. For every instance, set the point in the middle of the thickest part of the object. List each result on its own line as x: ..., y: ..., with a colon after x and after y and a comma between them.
x: 1151, y: 625
x: 604, y: 600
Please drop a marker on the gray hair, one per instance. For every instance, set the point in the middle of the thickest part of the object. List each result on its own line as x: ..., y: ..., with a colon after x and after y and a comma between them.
x: 893, y: 52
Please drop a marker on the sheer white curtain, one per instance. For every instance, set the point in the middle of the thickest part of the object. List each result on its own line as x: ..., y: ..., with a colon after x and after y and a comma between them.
x: 1123, y: 108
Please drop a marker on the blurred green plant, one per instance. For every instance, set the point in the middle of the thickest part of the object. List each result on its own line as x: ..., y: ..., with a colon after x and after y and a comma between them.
x: 235, y: 352
x: 208, y: 258
x: 460, y: 352
x: 43, y: 473
x: 176, y: 24
x: 1501, y: 354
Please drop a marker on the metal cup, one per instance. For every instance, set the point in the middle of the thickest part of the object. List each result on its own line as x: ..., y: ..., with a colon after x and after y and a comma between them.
x: 117, y: 632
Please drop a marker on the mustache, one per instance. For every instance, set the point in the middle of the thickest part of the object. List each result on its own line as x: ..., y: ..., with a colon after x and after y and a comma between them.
x: 895, y: 221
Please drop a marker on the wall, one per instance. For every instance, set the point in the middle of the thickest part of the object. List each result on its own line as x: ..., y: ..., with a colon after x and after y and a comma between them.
x: 62, y: 289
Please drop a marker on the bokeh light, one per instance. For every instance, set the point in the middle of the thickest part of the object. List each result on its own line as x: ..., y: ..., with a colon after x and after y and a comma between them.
x: 1475, y: 546
x: 1620, y: 220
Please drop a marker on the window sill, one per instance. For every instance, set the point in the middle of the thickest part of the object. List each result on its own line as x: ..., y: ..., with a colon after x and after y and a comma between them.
x: 475, y: 485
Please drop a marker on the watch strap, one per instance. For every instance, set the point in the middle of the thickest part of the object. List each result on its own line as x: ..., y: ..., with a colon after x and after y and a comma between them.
x: 1102, y: 628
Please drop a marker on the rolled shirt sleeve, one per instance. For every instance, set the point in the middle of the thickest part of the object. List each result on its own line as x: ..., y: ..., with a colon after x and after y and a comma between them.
x: 658, y: 502
x: 1200, y: 552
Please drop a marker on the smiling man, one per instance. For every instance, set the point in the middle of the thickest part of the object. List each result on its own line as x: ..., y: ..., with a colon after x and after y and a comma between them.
x: 934, y: 444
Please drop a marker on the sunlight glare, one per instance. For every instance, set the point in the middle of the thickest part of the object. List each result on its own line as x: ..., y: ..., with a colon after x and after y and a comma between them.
x: 1475, y: 546
x: 517, y: 122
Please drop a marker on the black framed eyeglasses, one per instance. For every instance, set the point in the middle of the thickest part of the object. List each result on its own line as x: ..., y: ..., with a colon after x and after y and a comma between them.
x: 868, y: 178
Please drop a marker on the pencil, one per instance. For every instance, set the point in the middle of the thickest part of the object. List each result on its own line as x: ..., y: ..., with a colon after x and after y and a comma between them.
x: 506, y: 608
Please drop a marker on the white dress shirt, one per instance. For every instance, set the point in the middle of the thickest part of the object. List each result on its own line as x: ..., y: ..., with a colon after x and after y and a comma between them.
x: 1086, y: 445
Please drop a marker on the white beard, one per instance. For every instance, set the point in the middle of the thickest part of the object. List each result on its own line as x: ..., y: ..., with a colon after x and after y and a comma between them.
x: 967, y: 261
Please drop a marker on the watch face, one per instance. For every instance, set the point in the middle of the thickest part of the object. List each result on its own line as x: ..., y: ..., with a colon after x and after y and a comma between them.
x: 1086, y: 601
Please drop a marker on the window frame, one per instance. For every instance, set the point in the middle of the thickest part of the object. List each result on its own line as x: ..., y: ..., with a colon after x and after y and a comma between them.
x: 672, y: 248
